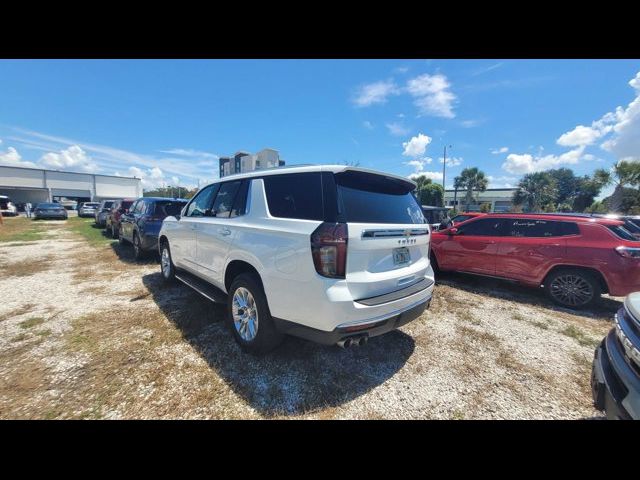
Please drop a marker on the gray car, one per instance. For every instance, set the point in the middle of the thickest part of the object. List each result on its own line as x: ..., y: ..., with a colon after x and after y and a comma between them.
x: 50, y: 210
x: 102, y: 212
x: 88, y: 209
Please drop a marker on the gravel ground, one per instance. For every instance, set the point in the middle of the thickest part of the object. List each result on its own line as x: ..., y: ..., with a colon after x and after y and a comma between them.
x: 86, y: 332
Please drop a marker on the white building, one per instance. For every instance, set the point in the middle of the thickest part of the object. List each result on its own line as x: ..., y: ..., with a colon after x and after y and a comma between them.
x: 499, y: 199
x: 243, y: 161
x: 36, y: 185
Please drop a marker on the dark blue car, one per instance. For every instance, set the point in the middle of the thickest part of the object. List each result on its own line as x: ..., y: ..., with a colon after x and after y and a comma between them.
x: 142, y: 221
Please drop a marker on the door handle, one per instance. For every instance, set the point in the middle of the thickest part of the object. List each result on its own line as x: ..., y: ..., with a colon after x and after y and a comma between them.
x: 224, y: 231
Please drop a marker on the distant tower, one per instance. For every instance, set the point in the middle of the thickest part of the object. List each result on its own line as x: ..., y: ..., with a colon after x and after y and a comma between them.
x: 224, y: 161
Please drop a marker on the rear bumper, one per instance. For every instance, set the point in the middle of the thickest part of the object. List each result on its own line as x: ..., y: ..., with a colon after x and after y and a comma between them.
x: 615, y: 386
x: 341, y: 333
x: 51, y: 215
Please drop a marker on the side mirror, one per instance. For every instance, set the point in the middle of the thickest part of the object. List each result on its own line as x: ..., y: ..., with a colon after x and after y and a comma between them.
x: 453, y: 231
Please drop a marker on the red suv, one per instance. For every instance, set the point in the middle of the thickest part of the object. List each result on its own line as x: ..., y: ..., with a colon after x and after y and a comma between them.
x: 575, y: 258
x: 119, y: 207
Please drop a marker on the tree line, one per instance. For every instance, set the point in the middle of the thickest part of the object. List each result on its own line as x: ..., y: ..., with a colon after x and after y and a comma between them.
x: 556, y: 190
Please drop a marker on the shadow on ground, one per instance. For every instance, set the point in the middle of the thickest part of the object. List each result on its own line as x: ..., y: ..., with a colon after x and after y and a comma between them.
x: 505, y: 290
x: 125, y: 254
x: 299, y: 376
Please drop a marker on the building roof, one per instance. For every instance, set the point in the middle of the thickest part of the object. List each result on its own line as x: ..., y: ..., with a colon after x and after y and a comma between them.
x: 66, y: 172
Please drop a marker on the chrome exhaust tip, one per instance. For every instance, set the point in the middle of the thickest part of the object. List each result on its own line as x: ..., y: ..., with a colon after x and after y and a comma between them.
x: 346, y: 343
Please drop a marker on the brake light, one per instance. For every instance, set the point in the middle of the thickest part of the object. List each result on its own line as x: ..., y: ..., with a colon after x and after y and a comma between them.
x: 629, y: 252
x: 329, y: 249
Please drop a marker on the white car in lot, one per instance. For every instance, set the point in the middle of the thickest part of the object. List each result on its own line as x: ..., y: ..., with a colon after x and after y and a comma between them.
x: 333, y: 254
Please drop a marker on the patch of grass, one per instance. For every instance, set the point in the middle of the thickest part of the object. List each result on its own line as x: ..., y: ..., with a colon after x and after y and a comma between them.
x: 43, y: 333
x: 579, y: 336
x: 16, y: 312
x: 542, y: 325
x: 20, y: 229
x: 20, y: 337
x: 27, y: 268
x: 31, y: 322
x: 457, y: 415
x: 85, y: 228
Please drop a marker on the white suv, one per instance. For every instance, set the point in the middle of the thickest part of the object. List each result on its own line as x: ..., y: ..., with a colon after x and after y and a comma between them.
x: 333, y: 254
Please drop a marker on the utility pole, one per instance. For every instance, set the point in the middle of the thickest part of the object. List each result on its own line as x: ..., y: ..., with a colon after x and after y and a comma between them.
x: 444, y: 169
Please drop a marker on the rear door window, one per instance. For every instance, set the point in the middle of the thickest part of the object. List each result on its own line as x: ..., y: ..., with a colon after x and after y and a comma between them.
x: 224, y: 200
x: 295, y: 195
x: 240, y: 203
x: 486, y: 227
x: 518, y: 227
x: 371, y: 198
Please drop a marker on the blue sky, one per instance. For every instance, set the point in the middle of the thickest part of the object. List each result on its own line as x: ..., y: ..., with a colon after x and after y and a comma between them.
x: 167, y: 121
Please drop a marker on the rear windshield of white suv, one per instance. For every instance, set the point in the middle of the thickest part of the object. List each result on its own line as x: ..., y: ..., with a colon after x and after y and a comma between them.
x: 371, y: 198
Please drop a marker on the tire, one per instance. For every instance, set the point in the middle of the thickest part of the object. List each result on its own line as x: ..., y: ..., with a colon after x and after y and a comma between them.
x: 138, y: 252
x: 121, y: 239
x: 167, y: 268
x: 434, y: 262
x: 573, y: 288
x: 256, y: 337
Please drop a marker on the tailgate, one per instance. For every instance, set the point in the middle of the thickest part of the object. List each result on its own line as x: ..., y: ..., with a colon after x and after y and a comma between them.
x: 385, y: 258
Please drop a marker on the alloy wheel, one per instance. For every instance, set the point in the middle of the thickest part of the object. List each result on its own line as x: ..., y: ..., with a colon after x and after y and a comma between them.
x: 245, y: 314
x: 571, y: 290
x: 165, y: 262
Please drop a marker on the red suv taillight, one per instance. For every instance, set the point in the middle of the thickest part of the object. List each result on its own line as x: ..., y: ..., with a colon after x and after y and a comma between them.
x: 329, y: 249
x: 629, y: 252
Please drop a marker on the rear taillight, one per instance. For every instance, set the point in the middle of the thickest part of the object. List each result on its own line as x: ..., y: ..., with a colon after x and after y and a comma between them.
x: 629, y: 252
x: 329, y: 249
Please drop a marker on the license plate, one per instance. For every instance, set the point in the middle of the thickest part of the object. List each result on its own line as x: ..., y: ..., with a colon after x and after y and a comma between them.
x: 401, y: 256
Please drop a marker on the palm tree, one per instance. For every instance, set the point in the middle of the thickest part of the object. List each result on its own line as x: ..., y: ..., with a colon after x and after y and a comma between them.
x: 623, y: 174
x: 535, y: 190
x: 457, y: 185
x: 471, y: 179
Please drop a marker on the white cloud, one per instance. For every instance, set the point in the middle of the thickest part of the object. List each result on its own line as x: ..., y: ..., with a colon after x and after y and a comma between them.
x: 375, y: 93
x: 73, y: 157
x: 11, y: 157
x: 418, y: 164
x: 470, y: 123
x: 416, y: 146
x: 452, y: 161
x: 152, y: 178
x: 502, y: 181
x: 496, y: 151
x: 433, y: 96
x: 191, y: 153
x: 527, y: 163
x: 625, y: 127
x: 580, y: 136
x: 367, y: 124
x: 398, y: 129
x: 109, y: 158
x: 487, y: 69
x: 437, y: 176
x: 401, y: 70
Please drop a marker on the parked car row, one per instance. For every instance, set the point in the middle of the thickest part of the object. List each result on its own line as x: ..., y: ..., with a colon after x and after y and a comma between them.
x: 135, y: 221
